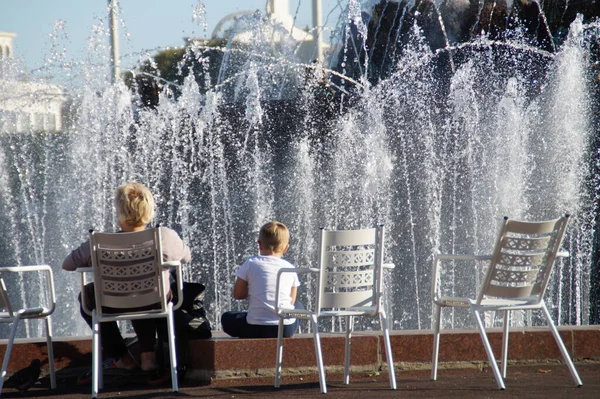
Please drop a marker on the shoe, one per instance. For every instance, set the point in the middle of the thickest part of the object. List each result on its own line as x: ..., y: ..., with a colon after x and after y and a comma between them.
x: 159, y: 377
x: 86, y: 378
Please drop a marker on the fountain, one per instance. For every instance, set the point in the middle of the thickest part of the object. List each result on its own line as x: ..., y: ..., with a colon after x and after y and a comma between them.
x: 438, y: 141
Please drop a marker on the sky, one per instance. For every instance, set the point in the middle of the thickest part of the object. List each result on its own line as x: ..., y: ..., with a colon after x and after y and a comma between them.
x: 145, y: 24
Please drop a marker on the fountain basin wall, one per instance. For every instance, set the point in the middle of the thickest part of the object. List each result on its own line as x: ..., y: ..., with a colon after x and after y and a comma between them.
x: 224, y: 358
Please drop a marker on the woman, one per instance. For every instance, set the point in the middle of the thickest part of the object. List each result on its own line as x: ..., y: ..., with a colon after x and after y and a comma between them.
x: 134, y: 205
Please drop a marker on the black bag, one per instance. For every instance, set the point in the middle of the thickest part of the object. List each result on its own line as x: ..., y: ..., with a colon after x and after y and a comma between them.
x: 190, y: 323
x: 190, y: 318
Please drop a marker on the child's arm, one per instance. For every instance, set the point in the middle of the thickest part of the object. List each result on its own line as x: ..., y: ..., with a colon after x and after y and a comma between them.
x: 240, y: 290
x: 293, y: 294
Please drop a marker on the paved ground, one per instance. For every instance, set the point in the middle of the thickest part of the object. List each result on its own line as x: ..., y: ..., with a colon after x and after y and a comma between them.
x: 552, y: 381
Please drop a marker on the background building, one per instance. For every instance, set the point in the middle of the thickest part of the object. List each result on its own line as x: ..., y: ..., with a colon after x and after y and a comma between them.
x: 310, y: 42
x: 26, y: 106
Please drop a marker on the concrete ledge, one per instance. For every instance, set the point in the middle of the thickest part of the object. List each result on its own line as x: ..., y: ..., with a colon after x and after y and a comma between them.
x: 224, y: 358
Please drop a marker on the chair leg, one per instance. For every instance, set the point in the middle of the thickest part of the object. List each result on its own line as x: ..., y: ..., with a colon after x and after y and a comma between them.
x: 488, y: 349
x: 505, y: 336
x: 96, y: 356
x: 279, y: 359
x: 50, y: 352
x: 319, y: 354
x: 561, y: 346
x: 388, y: 349
x: 172, y: 348
x: 349, y: 330
x: 436, y: 341
x: 11, y: 340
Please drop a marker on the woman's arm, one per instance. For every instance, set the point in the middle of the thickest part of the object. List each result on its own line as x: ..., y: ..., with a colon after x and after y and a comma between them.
x: 173, y: 246
x: 79, y: 257
x: 240, y: 290
x: 293, y: 294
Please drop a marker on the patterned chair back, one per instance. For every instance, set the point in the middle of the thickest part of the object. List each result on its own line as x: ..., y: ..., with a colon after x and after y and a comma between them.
x: 127, y: 272
x: 523, y: 259
x: 351, y: 266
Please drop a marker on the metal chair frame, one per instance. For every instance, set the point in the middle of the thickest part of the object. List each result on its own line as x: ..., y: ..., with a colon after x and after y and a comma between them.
x: 9, y: 315
x: 129, y: 273
x: 350, y: 285
x: 516, y: 279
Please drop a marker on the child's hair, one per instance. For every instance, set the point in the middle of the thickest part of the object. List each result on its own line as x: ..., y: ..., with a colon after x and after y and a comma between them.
x: 274, y: 236
x: 134, y: 204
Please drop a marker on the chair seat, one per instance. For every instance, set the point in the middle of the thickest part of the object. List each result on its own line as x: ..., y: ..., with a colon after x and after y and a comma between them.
x: 5, y: 317
x: 451, y: 301
x: 349, y: 312
x: 307, y: 314
x: 33, y: 312
x: 295, y: 313
x: 489, y: 303
x: 507, y: 304
x: 132, y: 315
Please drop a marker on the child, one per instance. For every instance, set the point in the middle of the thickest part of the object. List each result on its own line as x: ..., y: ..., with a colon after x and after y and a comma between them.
x: 256, y: 280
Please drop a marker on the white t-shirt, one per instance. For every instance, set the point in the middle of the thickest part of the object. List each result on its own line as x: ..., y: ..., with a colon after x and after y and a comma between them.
x: 261, y: 274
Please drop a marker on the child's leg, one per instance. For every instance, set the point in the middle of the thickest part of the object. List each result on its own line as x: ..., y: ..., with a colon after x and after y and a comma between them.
x: 290, y: 329
x: 234, y: 323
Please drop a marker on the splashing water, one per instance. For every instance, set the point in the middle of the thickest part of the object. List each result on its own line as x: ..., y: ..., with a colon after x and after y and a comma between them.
x: 438, y: 162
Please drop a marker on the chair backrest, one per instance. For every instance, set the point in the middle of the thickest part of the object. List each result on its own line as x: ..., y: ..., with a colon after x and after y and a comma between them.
x: 350, y: 262
x: 523, y: 259
x: 127, y: 272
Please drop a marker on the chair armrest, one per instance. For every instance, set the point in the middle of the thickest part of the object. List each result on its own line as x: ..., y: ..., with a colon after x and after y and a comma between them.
x: 83, y: 279
x: 49, y: 286
x: 300, y: 270
x: 18, y: 269
x: 388, y: 266
x: 171, y: 263
x: 563, y: 254
x: 179, y: 280
x: 461, y: 257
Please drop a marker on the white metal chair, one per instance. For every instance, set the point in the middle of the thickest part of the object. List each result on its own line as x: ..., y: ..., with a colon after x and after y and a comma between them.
x: 129, y: 273
x: 350, y: 284
x: 516, y: 279
x: 10, y: 315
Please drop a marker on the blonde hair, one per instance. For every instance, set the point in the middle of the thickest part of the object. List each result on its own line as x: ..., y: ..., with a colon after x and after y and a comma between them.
x: 274, y: 236
x: 134, y: 204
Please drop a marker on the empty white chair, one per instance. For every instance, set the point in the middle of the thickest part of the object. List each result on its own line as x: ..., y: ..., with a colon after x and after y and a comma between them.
x: 129, y: 273
x: 516, y: 279
x: 350, y: 285
x: 10, y: 315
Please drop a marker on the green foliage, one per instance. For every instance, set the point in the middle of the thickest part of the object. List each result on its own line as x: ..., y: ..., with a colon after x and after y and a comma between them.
x: 168, y: 69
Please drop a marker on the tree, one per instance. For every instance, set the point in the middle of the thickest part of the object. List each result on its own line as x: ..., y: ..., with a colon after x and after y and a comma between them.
x: 169, y: 67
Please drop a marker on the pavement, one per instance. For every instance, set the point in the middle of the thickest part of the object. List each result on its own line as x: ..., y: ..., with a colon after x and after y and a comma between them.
x: 527, y: 381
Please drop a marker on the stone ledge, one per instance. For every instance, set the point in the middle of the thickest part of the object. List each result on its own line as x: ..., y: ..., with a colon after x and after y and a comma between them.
x: 224, y: 358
